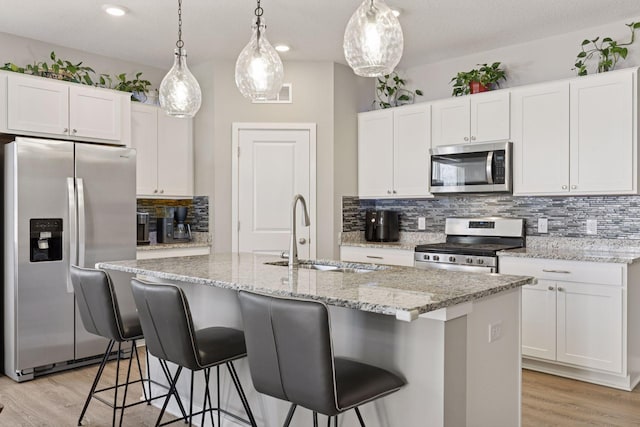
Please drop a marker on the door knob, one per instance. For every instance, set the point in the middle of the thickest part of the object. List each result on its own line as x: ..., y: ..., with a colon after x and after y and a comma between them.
x: 302, y: 240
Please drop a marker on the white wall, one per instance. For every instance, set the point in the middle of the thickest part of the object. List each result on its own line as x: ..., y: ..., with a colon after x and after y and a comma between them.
x: 22, y: 51
x: 313, y: 93
x: 537, y: 61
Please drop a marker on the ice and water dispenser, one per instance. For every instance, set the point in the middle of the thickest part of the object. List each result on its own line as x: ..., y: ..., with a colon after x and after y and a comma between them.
x: 45, y: 239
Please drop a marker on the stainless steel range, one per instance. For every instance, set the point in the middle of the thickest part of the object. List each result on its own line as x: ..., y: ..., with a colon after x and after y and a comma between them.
x: 472, y: 244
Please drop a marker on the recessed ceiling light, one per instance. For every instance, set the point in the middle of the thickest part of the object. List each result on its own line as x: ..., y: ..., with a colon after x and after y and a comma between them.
x: 396, y: 12
x: 282, y: 48
x: 114, y: 10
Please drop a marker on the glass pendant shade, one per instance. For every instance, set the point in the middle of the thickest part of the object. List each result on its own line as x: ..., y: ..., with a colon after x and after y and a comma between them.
x: 373, y: 40
x: 259, y: 71
x: 180, y: 94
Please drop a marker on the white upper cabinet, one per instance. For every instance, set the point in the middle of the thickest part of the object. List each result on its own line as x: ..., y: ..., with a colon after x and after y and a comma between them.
x: 475, y: 118
x: 164, y: 148
x: 576, y: 137
x: 48, y: 108
x: 393, y: 152
x: 603, y: 142
x: 540, y: 135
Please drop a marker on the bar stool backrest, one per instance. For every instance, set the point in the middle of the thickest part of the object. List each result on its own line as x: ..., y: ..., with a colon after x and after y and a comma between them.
x: 166, y: 322
x: 97, y: 302
x: 289, y: 350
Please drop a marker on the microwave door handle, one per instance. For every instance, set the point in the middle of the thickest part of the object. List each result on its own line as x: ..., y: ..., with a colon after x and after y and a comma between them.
x: 82, y: 230
x: 489, y: 168
x: 73, y: 250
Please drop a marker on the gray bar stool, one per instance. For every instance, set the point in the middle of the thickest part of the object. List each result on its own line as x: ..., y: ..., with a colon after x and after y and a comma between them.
x: 100, y: 314
x: 171, y: 336
x: 291, y: 358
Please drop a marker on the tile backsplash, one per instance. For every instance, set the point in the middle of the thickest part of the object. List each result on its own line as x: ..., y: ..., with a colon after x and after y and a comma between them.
x: 618, y: 217
x: 197, y: 215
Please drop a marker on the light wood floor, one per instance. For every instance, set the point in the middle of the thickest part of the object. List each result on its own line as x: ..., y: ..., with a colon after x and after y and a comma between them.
x: 57, y: 399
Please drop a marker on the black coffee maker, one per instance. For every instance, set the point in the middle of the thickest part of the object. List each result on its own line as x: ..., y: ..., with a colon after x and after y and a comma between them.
x: 382, y: 226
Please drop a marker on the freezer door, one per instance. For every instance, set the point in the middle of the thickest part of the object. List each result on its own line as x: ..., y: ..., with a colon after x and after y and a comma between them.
x: 37, y: 204
x: 106, y: 188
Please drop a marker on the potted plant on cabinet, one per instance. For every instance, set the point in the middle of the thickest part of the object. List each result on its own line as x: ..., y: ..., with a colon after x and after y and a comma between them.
x: 608, y: 52
x: 485, y: 77
x: 390, y: 92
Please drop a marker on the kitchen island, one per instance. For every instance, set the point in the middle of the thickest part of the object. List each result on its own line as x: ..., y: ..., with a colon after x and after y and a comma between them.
x: 454, y: 336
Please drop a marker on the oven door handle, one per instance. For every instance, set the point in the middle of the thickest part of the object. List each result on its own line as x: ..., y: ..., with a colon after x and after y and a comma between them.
x: 489, y: 167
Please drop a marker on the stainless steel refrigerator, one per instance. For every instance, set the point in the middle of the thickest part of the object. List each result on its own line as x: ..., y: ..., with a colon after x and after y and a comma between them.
x: 64, y: 203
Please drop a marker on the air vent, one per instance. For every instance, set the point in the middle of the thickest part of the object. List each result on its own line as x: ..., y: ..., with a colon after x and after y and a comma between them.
x: 284, y: 97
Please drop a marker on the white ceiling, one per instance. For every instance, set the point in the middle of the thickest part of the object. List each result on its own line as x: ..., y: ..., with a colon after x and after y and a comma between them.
x: 218, y: 29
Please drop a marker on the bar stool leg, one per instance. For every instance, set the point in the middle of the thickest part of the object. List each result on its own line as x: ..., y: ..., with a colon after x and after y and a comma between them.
x: 359, y: 417
x: 96, y: 380
x: 218, y: 391
x: 126, y: 386
x: 315, y: 419
x: 172, y: 387
x: 115, y: 394
x: 243, y: 397
x: 191, y: 401
x: 167, y: 375
x: 144, y: 390
x: 292, y: 409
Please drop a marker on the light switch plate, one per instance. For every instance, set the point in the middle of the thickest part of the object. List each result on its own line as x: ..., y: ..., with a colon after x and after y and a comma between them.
x: 592, y: 226
x: 543, y: 225
x: 422, y: 223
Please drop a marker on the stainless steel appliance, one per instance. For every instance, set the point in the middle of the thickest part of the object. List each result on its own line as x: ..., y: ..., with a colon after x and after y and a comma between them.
x: 142, y: 224
x: 471, y: 168
x: 472, y: 244
x: 65, y: 203
x: 381, y: 226
x: 164, y: 228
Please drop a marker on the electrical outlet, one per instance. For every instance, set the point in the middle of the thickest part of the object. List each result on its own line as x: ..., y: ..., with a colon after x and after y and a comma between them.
x: 495, y: 331
x: 542, y: 225
x: 422, y: 223
x: 592, y: 226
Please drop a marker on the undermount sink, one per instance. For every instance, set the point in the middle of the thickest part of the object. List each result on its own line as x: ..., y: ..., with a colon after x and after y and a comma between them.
x: 338, y: 267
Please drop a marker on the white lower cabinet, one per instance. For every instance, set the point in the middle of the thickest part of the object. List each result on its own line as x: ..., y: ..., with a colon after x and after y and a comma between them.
x: 389, y: 256
x: 575, y: 320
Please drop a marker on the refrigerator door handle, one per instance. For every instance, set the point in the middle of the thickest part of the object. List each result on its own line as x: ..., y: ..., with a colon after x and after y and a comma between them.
x: 73, y: 250
x: 81, y: 223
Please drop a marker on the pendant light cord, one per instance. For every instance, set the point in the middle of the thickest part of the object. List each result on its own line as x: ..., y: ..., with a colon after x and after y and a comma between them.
x: 258, y: 12
x: 180, y: 43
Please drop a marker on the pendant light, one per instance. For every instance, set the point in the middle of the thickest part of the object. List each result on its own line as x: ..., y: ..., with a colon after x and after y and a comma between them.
x: 259, y: 71
x: 180, y: 94
x: 373, y: 40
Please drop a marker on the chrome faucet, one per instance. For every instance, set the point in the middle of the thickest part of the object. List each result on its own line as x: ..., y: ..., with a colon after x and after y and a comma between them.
x: 293, y: 245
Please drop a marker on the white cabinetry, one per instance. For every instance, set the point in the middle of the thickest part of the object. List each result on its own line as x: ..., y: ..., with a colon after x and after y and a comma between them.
x: 575, y: 319
x: 390, y: 256
x: 474, y: 118
x: 49, y: 108
x: 164, y: 152
x: 576, y: 137
x: 393, y: 152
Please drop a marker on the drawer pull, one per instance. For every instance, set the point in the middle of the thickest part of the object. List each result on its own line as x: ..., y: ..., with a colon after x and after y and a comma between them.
x: 560, y: 289
x: 374, y: 257
x: 556, y: 271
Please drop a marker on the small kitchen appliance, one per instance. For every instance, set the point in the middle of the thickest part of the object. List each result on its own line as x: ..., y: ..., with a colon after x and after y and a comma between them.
x: 381, y: 226
x: 142, y: 221
x: 472, y: 244
x: 181, y: 231
x: 165, y: 225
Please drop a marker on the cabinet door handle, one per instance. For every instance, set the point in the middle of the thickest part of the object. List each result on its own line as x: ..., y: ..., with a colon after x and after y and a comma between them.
x: 66, y: 130
x: 394, y: 191
x: 161, y: 191
x: 551, y: 288
x: 75, y: 130
x: 466, y: 138
x: 573, y: 187
x: 302, y: 240
x: 556, y: 271
x: 473, y: 138
x: 155, y: 191
x: 374, y: 257
x: 560, y: 289
x: 388, y: 191
x: 564, y: 187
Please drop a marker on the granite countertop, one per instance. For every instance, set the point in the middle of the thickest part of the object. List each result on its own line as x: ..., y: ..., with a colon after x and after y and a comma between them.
x: 404, y: 292
x: 173, y: 245
x: 408, y: 240
x: 622, y: 251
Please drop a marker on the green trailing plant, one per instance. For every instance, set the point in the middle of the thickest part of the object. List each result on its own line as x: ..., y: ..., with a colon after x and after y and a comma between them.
x: 390, y: 92
x: 607, y: 51
x: 488, y: 76
x: 61, y: 69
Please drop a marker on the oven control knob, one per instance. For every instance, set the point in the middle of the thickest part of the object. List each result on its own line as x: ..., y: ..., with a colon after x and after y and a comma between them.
x: 469, y: 260
x: 480, y: 261
x: 425, y: 257
x: 452, y: 259
x: 436, y: 258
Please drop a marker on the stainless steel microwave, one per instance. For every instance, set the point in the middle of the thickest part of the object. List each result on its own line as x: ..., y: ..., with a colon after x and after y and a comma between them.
x: 481, y: 167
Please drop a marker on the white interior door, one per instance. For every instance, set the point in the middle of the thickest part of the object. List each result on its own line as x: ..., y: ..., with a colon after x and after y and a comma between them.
x: 273, y: 166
